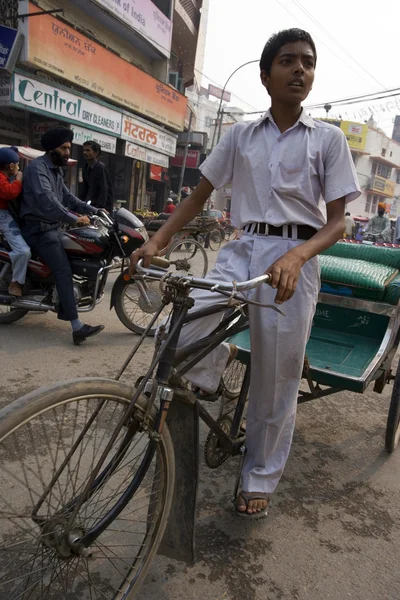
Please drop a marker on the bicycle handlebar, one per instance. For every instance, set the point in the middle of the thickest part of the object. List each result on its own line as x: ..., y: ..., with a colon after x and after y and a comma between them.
x: 210, y: 284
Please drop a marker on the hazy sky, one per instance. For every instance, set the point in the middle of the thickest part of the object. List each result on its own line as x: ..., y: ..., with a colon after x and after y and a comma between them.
x: 358, y: 50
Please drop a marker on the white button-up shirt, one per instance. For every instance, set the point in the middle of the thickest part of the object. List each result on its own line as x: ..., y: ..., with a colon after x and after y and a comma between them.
x: 283, y: 178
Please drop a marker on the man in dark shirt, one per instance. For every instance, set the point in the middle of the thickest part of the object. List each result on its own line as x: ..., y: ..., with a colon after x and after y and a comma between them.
x: 96, y: 186
x: 44, y: 207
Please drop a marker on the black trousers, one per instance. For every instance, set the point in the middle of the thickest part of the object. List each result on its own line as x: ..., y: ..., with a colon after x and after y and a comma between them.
x: 47, y: 244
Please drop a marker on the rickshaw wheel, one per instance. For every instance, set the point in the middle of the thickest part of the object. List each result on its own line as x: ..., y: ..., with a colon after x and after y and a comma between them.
x: 392, y: 437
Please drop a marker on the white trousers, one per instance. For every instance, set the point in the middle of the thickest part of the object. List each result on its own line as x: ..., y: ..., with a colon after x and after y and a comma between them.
x: 277, y: 352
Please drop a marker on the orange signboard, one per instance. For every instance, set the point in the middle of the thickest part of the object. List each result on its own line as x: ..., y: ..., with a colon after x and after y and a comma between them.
x: 52, y: 46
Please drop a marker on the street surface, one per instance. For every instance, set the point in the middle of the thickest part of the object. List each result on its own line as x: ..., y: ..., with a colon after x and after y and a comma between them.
x: 333, y: 528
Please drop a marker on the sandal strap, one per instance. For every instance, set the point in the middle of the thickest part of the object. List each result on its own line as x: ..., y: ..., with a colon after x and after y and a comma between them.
x: 260, y: 496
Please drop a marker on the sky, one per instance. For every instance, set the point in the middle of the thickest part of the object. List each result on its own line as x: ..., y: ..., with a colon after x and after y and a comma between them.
x: 357, y: 44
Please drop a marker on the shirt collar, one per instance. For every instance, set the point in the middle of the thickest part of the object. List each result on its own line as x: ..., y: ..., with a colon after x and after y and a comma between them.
x: 303, y: 118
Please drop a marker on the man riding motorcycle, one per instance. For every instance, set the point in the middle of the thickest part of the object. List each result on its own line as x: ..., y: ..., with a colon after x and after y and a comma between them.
x: 379, y: 226
x: 44, y: 207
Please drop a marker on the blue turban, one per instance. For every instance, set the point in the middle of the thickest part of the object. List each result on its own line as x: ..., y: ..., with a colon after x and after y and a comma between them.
x: 8, y: 156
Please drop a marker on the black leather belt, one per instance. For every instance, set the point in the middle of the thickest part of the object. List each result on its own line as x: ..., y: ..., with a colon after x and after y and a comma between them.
x: 304, y: 232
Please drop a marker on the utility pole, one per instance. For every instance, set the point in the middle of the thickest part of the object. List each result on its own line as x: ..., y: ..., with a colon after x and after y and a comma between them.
x: 185, y: 154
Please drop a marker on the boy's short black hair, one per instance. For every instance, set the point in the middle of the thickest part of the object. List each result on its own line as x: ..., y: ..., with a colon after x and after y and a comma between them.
x: 276, y: 41
x: 94, y: 146
x: 347, y: 214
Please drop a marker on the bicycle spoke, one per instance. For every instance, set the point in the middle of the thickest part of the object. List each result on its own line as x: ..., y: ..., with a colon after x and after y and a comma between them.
x: 48, y: 460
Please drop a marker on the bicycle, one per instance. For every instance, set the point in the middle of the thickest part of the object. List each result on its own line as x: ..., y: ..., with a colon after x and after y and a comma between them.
x: 88, y: 466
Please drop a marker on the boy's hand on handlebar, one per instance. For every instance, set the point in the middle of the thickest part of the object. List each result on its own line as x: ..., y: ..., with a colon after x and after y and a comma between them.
x: 82, y: 221
x: 146, y: 252
x: 285, y: 274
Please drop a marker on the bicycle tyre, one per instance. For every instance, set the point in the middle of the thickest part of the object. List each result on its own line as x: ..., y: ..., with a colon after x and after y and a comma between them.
x: 188, y: 262
x: 131, y: 307
x: 215, y: 240
x: 25, y: 415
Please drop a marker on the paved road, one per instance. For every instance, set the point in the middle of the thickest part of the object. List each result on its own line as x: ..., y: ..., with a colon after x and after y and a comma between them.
x: 333, y: 529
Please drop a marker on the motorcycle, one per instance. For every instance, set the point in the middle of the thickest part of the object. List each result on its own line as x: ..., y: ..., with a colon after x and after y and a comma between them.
x: 93, y: 251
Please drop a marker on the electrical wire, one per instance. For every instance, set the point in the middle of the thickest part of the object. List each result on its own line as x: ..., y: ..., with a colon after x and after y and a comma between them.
x: 331, y: 37
x: 323, y: 43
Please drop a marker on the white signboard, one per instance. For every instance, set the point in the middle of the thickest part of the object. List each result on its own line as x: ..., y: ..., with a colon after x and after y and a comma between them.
x: 54, y: 101
x: 144, y: 17
x: 81, y: 135
x: 146, y: 155
x: 146, y: 134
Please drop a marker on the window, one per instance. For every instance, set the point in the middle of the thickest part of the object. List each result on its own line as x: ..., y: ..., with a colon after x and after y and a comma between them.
x: 398, y: 177
x: 371, y: 204
x: 208, y: 121
x: 383, y: 152
x: 381, y: 170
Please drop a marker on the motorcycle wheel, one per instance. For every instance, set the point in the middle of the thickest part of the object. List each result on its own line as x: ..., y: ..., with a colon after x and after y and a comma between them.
x: 132, y: 309
x: 7, y: 314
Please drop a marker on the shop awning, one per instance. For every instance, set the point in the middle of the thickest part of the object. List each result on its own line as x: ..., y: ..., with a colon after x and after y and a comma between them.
x: 385, y: 161
x: 30, y: 153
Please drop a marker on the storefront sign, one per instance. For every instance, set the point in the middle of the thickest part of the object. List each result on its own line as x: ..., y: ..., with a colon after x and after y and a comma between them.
x: 48, y: 99
x: 143, y: 16
x: 382, y: 185
x: 81, y: 135
x: 146, y: 155
x: 356, y: 134
x: 213, y: 90
x: 155, y: 172
x: 78, y: 59
x: 145, y: 134
x: 10, y: 44
x: 40, y: 128
x: 192, y: 161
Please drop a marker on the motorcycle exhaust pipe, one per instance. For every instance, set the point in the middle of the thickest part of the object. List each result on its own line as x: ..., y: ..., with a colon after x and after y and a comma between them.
x: 25, y: 304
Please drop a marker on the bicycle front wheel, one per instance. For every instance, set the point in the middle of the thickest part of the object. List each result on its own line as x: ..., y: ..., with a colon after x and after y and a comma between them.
x: 49, y: 442
x: 188, y: 258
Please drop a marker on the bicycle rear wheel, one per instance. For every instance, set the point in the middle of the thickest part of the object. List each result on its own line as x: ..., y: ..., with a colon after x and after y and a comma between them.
x: 49, y: 441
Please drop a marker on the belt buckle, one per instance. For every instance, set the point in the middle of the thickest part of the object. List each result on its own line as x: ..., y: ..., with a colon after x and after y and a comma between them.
x: 266, y: 232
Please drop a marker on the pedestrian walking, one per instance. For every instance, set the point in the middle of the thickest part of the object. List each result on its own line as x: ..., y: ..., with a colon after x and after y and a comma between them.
x: 97, y: 185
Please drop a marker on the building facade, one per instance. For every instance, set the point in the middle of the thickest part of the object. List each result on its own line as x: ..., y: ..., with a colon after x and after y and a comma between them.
x: 103, y: 68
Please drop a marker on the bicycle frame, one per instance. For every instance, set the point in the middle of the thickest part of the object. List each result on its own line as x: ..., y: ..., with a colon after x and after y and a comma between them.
x: 166, y: 359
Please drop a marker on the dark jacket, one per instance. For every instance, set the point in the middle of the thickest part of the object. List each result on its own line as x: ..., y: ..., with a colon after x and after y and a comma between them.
x: 46, y: 198
x: 97, y: 186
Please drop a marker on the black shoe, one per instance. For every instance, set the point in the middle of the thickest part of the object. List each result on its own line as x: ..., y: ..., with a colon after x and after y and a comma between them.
x: 85, y: 332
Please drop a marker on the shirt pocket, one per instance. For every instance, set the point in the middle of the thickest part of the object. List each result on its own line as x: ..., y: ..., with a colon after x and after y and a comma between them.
x: 289, y: 178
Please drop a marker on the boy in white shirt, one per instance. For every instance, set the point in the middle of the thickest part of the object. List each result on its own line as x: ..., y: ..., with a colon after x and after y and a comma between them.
x: 291, y: 178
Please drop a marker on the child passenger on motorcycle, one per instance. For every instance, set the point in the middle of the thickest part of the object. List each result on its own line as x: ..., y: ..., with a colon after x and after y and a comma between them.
x: 10, y: 188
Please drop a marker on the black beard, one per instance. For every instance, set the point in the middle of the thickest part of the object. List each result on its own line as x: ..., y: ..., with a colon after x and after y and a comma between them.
x: 57, y: 159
